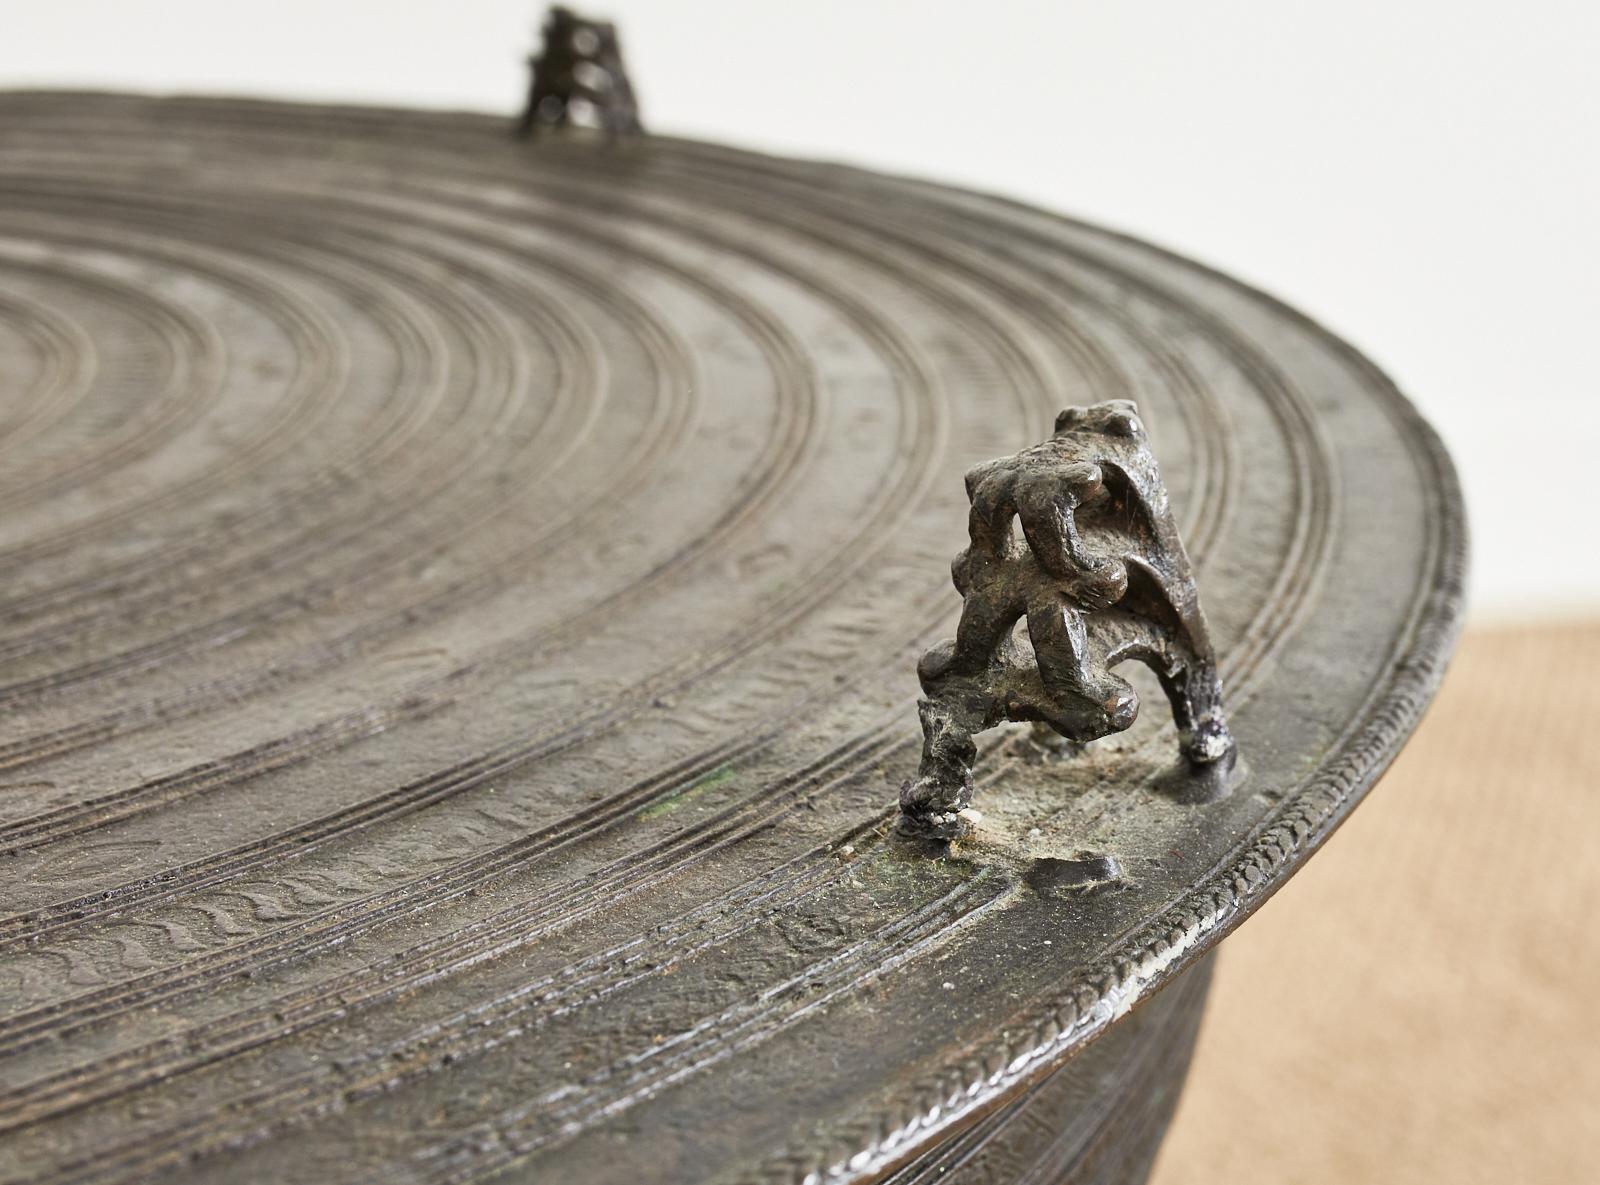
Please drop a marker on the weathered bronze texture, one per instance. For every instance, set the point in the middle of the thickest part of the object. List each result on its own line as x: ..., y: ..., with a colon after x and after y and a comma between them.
x: 1099, y: 1120
x: 1099, y: 575
x: 459, y: 605
x: 578, y: 77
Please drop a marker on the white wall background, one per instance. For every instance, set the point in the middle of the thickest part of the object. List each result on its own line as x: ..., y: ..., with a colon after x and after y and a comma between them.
x: 1424, y: 177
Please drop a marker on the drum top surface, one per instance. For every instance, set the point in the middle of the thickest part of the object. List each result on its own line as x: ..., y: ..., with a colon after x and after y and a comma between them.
x: 458, y: 634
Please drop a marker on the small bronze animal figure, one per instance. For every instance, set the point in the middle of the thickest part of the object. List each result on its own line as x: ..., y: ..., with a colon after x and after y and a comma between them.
x: 1100, y: 576
x: 578, y: 77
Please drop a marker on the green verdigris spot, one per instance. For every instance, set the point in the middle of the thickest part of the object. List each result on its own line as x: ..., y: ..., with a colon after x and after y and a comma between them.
x: 673, y: 801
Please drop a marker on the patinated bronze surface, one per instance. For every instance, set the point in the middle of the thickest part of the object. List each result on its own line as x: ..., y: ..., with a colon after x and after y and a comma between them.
x: 460, y: 606
x: 1100, y: 576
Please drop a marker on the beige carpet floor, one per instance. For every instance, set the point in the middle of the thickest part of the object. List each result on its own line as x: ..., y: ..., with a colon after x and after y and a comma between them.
x: 1422, y: 1003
